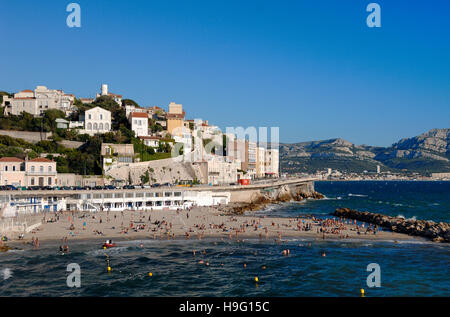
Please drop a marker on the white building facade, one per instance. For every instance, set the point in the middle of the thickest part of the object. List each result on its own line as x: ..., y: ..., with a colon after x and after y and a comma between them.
x: 272, y: 162
x: 38, y: 101
x: 139, y: 123
x: 96, y: 121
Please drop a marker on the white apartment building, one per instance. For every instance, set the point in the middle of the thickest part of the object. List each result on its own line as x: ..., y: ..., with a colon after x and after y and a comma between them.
x: 96, y: 121
x: 38, y: 101
x: 152, y: 141
x: 222, y: 171
x: 260, y: 162
x: 272, y: 162
x: 132, y: 108
x: 139, y: 123
x: 252, y: 154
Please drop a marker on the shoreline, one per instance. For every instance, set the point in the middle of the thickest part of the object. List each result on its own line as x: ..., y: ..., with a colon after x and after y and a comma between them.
x: 196, y: 224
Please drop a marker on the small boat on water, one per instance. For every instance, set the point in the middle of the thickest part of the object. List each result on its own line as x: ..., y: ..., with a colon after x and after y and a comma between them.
x: 108, y: 244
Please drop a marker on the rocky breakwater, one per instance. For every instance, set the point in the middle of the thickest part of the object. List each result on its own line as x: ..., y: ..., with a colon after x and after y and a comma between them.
x: 438, y: 232
x: 283, y: 194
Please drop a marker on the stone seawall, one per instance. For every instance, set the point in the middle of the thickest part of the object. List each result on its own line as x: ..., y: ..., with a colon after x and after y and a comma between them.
x: 438, y: 232
x: 255, y: 199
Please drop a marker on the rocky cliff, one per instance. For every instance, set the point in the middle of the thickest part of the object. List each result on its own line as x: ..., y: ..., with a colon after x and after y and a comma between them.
x: 283, y: 194
x: 426, y: 153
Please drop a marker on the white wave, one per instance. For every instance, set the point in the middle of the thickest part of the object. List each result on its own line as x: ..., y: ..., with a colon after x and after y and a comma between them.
x: 107, y: 251
x: 413, y: 242
x: 357, y: 195
x: 331, y: 198
x: 15, y: 251
x: 6, y: 273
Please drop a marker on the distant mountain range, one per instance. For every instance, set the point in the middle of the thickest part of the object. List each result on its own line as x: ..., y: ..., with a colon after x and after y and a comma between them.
x: 426, y: 153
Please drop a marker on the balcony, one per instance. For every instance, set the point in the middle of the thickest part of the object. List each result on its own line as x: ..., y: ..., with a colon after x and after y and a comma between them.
x: 40, y: 173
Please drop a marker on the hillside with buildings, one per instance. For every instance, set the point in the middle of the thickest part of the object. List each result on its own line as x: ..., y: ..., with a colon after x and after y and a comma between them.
x: 424, y: 154
x: 52, y: 138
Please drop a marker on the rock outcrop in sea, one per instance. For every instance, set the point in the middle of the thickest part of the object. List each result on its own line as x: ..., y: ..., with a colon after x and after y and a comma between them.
x: 436, y: 231
x: 283, y: 194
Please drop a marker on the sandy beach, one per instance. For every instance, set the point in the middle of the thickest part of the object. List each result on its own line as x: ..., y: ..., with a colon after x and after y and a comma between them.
x: 196, y: 223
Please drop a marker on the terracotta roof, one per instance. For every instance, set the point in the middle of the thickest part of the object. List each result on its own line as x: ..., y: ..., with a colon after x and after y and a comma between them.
x: 10, y: 159
x: 139, y: 115
x: 27, y: 90
x: 41, y: 159
x: 111, y: 94
x: 24, y: 98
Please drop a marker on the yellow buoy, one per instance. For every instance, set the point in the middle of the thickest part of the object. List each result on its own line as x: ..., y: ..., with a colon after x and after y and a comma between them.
x: 150, y: 274
x: 104, y: 248
x: 256, y: 279
x: 109, y: 269
x: 362, y: 292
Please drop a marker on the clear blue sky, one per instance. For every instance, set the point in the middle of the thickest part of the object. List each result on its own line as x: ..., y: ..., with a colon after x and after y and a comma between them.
x: 313, y: 68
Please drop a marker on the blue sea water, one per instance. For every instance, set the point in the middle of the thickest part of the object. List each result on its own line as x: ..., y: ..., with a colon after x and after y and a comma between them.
x: 410, y: 199
x: 408, y: 268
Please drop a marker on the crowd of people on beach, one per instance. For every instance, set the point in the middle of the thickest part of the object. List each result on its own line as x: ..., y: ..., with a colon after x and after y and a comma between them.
x: 204, y: 221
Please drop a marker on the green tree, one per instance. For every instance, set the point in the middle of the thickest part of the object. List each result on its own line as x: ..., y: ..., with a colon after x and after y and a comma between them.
x: 145, y: 178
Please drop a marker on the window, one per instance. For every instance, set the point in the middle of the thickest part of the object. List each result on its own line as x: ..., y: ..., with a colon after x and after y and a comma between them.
x: 32, y: 180
x: 49, y: 181
x: 101, y: 126
x: 32, y: 168
x: 107, y: 126
x: 49, y: 168
x: 101, y: 117
x: 14, y: 168
x: 90, y: 116
x: 41, y: 169
x: 6, y: 168
x: 89, y: 126
x: 95, y: 126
